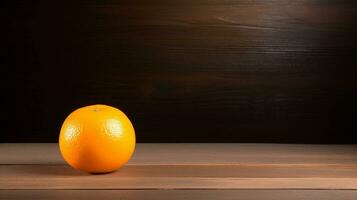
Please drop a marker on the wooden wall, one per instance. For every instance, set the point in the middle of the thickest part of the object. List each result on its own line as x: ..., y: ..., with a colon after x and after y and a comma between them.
x: 184, y: 70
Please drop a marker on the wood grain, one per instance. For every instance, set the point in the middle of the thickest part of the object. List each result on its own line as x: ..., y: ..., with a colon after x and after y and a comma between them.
x: 198, y: 154
x: 181, y: 177
x: 185, y: 70
x: 180, y: 194
x: 187, y: 171
x: 189, y: 166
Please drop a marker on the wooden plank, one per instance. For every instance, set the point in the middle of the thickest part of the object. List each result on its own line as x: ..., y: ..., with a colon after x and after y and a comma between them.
x: 163, y: 183
x: 180, y: 177
x: 189, y: 166
x: 179, y: 194
x: 197, y: 154
x: 57, y: 172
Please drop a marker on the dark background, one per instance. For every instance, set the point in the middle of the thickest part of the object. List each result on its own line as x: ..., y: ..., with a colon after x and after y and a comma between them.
x: 183, y: 70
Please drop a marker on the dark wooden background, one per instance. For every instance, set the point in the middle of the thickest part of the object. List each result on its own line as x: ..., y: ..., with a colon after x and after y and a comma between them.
x: 183, y: 70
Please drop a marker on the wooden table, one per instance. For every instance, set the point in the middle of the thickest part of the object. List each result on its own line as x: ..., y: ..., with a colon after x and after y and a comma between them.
x: 187, y: 171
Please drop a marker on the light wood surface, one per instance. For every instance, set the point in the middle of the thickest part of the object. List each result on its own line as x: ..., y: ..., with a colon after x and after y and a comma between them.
x: 179, y: 194
x: 175, y: 171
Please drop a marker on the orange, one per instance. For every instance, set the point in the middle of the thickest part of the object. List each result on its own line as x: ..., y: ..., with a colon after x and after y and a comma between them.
x: 97, y: 139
